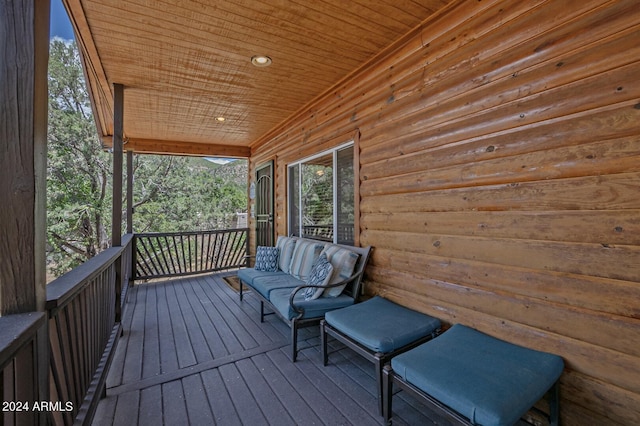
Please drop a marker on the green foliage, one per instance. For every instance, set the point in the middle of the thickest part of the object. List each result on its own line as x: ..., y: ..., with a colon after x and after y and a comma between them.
x: 170, y: 193
x: 317, y: 195
x: 192, y: 197
x: 78, y: 170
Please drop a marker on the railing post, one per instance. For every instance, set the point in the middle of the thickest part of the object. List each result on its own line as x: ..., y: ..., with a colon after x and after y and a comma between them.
x: 129, y: 192
x: 134, y: 254
x: 247, y: 249
x: 118, y: 288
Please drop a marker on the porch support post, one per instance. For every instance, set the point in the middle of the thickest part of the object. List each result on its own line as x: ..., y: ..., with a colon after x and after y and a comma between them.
x: 24, y: 57
x: 116, y: 222
x: 118, y: 132
x: 129, y: 192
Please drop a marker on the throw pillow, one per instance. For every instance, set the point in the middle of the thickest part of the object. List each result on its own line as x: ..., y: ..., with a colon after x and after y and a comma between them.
x: 343, y: 262
x: 320, y: 275
x: 266, y: 259
x: 304, y: 256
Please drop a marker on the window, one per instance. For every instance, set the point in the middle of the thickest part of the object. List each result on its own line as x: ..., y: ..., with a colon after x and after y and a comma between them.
x: 321, y: 196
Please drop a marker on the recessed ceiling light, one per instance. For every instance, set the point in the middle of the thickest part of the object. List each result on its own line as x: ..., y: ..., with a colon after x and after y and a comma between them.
x: 261, y: 60
x: 220, y: 119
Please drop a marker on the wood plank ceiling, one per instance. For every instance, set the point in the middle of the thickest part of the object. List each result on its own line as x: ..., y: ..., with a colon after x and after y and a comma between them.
x: 185, y: 62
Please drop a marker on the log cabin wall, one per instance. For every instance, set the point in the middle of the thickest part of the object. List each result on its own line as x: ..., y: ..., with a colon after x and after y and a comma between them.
x: 499, y: 181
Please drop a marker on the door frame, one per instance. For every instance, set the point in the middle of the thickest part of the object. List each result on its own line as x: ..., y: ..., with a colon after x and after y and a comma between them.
x: 267, y: 238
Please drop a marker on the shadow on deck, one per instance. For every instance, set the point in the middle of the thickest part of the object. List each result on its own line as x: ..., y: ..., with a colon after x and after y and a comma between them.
x: 192, y: 353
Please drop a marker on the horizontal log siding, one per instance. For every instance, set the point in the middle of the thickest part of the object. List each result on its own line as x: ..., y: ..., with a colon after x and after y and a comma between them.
x: 499, y: 181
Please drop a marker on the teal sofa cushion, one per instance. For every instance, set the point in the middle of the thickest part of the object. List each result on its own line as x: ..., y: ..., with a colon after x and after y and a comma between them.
x: 487, y: 380
x: 304, y: 256
x: 285, y: 245
x: 267, y: 283
x: 247, y: 275
x: 381, y: 325
x: 343, y: 261
x: 315, y: 308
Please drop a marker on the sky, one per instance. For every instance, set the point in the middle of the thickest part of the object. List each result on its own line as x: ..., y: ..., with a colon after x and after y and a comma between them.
x: 60, y: 25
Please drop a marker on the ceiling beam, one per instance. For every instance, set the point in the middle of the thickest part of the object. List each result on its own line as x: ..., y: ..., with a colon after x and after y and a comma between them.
x: 153, y: 146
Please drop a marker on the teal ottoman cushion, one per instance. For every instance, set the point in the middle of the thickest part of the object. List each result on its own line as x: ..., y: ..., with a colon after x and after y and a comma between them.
x: 487, y: 380
x: 381, y: 325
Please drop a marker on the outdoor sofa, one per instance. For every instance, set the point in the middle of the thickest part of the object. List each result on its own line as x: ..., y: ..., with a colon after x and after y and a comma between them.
x: 302, y: 279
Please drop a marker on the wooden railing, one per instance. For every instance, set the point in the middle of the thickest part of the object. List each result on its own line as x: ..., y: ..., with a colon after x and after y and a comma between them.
x: 20, y: 383
x: 83, y: 308
x: 325, y: 233
x: 175, y: 254
x: 83, y: 312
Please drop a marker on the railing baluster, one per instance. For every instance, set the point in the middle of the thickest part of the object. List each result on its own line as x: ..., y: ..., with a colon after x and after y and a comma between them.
x: 184, y: 262
x: 207, y: 258
x: 202, y: 258
x: 148, y: 258
x: 216, y: 250
x: 184, y: 253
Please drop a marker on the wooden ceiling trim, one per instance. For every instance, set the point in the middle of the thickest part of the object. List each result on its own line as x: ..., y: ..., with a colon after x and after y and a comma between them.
x: 153, y: 146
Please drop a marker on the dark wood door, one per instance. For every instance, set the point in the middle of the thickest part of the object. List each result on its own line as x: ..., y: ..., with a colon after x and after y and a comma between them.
x: 265, y: 235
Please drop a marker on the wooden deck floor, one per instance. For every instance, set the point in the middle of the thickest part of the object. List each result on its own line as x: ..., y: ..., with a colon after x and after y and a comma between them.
x: 192, y: 353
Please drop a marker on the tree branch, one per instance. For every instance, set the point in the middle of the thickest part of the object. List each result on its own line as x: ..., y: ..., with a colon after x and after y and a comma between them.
x: 62, y: 243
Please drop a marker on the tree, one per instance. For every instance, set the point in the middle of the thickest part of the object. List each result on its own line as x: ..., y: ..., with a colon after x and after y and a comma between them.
x: 78, y: 191
x: 170, y: 193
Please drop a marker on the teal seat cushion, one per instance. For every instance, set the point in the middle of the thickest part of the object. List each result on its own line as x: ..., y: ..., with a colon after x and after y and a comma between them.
x: 315, y: 308
x: 266, y: 283
x: 247, y: 275
x: 381, y: 325
x: 487, y: 380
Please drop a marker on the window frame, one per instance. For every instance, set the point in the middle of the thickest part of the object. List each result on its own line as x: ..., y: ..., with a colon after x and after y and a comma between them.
x: 351, y: 143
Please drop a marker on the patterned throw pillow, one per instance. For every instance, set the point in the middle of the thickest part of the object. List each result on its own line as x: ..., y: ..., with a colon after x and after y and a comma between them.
x: 343, y: 262
x: 266, y: 259
x: 320, y: 275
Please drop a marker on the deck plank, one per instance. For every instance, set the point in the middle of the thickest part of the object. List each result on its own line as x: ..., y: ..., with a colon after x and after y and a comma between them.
x: 184, y: 349
x: 286, y: 392
x: 150, y: 411
x: 198, y: 409
x: 126, y: 408
x: 263, y: 394
x: 226, y: 333
x: 248, y: 410
x: 169, y: 354
x: 199, y: 344
x: 174, y: 407
x: 319, y: 402
x: 132, y: 368
x: 151, y: 351
x: 192, y: 353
